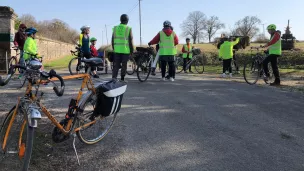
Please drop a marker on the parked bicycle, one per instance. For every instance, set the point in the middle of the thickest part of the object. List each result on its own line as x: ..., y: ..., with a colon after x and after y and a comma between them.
x: 144, y: 58
x: 196, y: 60
x: 15, y: 61
x: 90, y: 116
x: 253, y: 70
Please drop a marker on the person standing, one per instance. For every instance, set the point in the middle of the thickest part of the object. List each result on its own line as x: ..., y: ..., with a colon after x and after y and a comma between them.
x: 167, y: 40
x: 226, y: 53
x: 84, y: 42
x: 122, y: 44
x: 275, y: 50
x: 187, y: 54
x: 19, y: 41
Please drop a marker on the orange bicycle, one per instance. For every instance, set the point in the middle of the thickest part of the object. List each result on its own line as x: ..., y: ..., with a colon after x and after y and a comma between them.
x: 90, y: 115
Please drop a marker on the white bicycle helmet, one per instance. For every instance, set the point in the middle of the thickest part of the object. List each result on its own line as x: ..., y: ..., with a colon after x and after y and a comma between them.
x: 84, y: 27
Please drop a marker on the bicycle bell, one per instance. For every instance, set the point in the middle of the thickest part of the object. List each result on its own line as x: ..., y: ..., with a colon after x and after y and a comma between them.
x: 35, y: 64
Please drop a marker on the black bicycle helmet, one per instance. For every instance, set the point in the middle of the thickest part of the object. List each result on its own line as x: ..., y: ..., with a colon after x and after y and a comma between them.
x: 167, y: 23
x: 124, y: 18
x: 187, y: 38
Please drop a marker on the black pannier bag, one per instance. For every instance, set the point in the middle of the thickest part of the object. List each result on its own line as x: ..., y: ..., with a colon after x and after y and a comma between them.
x: 109, y: 97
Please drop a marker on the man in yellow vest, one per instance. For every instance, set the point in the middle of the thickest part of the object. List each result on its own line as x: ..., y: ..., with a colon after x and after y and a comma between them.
x: 275, y: 50
x: 122, y: 44
x: 187, y: 54
x: 167, y: 40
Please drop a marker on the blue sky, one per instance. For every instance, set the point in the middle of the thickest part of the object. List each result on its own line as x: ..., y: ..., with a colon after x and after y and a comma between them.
x: 97, y: 13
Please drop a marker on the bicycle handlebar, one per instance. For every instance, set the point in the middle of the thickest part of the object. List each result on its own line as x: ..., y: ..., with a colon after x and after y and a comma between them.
x: 52, y: 74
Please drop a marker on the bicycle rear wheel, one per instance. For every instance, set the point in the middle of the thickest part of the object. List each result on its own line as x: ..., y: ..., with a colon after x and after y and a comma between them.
x: 96, y: 132
x: 73, y: 66
x: 179, y: 64
x: 252, y: 72
x: 143, y: 69
x: 20, y: 140
x: 131, y: 66
x: 13, y: 61
x: 199, y: 65
x: 271, y: 76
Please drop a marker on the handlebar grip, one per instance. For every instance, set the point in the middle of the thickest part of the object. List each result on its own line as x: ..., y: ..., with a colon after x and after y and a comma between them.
x: 58, y: 93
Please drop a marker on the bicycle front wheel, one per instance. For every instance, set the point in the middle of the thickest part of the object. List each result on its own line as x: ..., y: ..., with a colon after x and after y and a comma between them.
x: 74, y: 68
x: 199, y: 65
x: 20, y: 140
x: 97, y: 131
x: 131, y: 66
x: 143, y: 69
x: 251, y: 72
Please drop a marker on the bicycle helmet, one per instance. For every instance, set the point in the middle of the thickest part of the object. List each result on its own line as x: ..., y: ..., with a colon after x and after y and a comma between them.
x: 167, y: 23
x: 187, y: 38
x: 31, y: 30
x: 84, y: 27
x: 93, y: 39
x: 124, y: 18
x: 272, y: 27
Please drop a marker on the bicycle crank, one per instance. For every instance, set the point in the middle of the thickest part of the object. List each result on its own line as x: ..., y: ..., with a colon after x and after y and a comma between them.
x: 57, y: 135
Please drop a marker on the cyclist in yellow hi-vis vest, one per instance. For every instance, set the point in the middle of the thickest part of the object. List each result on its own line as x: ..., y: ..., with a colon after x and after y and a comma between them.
x: 187, y: 54
x: 167, y: 40
x: 275, y: 51
x: 122, y: 44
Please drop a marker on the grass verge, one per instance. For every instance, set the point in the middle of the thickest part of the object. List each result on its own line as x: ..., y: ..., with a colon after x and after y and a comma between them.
x: 58, y: 63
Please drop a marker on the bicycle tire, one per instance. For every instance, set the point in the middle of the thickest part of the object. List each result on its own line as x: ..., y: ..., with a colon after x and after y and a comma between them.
x: 179, y: 65
x: 133, y: 63
x: 25, y: 162
x: 271, y: 78
x: 145, y: 66
x: 80, y: 134
x: 252, y: 65
x: 73, y: 71
x: 13, y: 61
x: 199, y: 66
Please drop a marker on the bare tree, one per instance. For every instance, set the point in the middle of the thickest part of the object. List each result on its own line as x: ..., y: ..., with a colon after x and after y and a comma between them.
x: 248, y: 26
x: 28, y: 20
x: 194, y: 25
x: 53, y: 29
x: 213, y: 24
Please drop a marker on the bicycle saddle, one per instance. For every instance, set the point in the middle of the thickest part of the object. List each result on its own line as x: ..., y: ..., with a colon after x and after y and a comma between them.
x: 93, y: 61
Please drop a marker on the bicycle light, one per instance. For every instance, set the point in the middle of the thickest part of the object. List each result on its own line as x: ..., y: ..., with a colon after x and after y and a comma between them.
x: 33, y: 117
x: 35, y: 65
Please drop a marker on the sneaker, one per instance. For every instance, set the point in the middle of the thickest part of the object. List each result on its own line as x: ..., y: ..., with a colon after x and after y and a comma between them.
x: 185, y: 72
x: 266, y: 78
x: 163, y: 79
x: 95, y: 76
x: 223, y: 75
x: 230, y: 75
x: 191, y: 72
x: 172, y: 79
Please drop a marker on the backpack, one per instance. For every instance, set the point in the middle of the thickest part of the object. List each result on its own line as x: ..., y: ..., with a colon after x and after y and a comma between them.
x: 109, y: 97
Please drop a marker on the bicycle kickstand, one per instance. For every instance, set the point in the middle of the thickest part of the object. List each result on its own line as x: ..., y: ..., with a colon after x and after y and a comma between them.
x: 74, y: 137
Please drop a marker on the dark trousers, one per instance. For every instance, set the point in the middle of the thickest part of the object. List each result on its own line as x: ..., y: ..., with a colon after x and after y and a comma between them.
x: 171, y: 68
x: 185, y: 64
x: 273, y: 59
x: 87, y: 56
x: 120, y: 59
x: 227, y: 65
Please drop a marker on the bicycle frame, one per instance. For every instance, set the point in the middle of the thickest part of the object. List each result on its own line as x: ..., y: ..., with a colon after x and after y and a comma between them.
x: 87, y: 82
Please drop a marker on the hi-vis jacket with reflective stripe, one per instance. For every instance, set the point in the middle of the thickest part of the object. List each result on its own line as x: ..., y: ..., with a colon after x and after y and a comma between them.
x: 121, y: 39
x: 166, y: 44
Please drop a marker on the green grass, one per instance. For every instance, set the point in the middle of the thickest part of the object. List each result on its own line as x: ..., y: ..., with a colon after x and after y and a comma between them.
x: 58, y: 63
